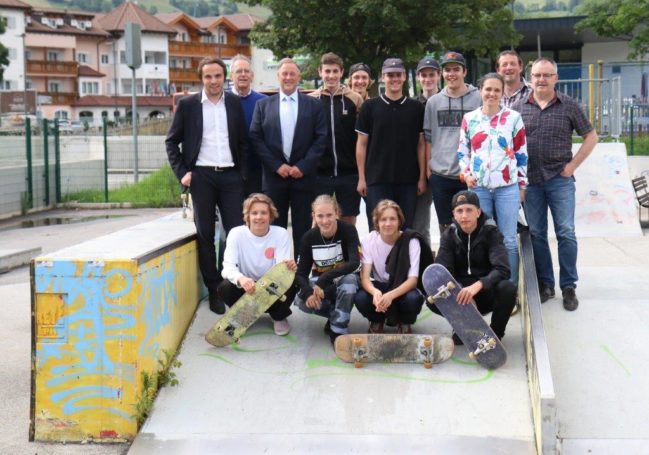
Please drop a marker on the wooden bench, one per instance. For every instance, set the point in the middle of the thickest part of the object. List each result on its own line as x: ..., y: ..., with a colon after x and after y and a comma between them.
x: 642, y: 195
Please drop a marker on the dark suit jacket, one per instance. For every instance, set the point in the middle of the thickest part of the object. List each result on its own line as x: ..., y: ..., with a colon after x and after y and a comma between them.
x: 187, y: 130
x: 309, y: 140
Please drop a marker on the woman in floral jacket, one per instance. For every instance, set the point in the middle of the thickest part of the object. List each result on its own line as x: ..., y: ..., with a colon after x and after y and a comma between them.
x: 493, y: 160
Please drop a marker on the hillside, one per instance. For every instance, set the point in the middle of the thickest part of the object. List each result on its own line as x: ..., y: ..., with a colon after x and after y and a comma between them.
x: 162, y: 6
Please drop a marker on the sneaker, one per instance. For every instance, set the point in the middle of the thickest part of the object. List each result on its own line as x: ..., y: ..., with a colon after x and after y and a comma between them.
x: 516, y: 309
x: 456, y: 340
x: 327, y: 328
x: 216, y: 304
x: 404, y: 328
x: 546, y: 292
x: 375, y: 327
x: 570, y: 301
x: 391, y: 320
x: 282, y: 327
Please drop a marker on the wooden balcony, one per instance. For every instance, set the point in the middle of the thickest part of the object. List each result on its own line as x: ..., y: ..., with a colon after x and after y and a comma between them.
x: 57, y: 98
x: 45, y: 68
x: 187, y: 49
x: 183, y: 75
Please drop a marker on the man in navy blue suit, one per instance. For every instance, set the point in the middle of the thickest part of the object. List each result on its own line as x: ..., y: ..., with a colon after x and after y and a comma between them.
x: 289, y: 135
x: 207, y: 149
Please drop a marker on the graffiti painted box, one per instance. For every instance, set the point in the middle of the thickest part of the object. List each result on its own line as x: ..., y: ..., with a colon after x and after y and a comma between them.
x: 103, y: 312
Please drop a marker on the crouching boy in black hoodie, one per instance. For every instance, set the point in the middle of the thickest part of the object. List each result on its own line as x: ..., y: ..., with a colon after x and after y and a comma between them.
x: 472, y: 249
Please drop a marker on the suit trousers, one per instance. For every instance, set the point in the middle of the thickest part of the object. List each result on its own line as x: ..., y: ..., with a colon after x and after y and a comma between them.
x: 211, y: 189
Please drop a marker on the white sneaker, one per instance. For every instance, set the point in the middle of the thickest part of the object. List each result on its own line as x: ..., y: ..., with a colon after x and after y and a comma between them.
x: 281, y: 327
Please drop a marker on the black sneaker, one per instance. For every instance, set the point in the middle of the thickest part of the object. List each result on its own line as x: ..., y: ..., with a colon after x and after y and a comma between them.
x: 216, y: 304
x: 333, y: 336
x: 546, y: 292
x: 456, y: 340
x: 570, y: 301
x: 327, y: 328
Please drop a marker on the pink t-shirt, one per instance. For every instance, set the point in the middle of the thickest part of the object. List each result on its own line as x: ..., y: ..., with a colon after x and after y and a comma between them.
x: 375, y: 252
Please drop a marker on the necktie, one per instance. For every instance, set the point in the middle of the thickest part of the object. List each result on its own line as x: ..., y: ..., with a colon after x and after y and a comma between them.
x: 287, y: 121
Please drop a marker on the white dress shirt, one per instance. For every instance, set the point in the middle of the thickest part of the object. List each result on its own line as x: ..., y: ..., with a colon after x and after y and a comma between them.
x: 215, y: 145
x: 288, y: 106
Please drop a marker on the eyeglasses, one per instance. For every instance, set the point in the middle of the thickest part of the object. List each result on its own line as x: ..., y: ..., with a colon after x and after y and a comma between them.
x: 543, y: 75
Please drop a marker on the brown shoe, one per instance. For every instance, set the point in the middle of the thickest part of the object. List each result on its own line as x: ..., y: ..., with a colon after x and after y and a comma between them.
x: 375, y: 327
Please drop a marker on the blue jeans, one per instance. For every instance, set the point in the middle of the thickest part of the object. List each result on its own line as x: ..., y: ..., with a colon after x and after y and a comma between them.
x: 443, y: 190
x: 558, y: 194
x: 404, y: 194
x: 504, y: 203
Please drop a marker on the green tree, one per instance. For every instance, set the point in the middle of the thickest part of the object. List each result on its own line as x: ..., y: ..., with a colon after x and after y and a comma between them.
x: 623, y: 19
x: 4, y: 52
x: 371, y: 30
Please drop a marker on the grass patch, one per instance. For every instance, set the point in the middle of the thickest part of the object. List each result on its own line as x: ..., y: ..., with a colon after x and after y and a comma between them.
x: 160, y: 189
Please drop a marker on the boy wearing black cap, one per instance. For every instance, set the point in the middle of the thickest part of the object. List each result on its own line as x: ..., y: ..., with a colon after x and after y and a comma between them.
x: 472, y: 249
x: 390, y: 150
x: 360, y: 79
x: 442, y: 121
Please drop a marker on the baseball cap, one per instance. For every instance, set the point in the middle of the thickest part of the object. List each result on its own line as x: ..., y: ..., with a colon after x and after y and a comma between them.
x: 393, y: 65
x: 360, y: 67
x: 453, y: 57
x: 427, y: 62
x: 465, y: 197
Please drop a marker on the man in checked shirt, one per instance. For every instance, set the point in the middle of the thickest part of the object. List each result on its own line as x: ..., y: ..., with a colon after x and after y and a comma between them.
x: 550, y: 118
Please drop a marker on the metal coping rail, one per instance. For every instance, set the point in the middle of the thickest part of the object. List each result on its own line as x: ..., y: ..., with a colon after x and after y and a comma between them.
x: 539, y: 373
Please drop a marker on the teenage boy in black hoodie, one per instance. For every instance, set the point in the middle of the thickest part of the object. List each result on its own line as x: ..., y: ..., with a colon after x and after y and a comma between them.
x: 472, y: 249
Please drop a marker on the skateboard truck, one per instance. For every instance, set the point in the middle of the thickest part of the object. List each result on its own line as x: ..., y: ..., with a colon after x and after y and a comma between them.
x: 427, y: 352
x: 484, y: 344
x: 359, y: 353
x: 443, y: 292
x: 271, y: 288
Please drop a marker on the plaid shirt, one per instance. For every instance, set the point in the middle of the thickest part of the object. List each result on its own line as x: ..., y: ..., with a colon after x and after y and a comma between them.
x: 522, y: 93
x: 549, y: 134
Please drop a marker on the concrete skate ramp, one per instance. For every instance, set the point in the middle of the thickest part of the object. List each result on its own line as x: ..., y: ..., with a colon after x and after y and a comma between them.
x: 605, y: 199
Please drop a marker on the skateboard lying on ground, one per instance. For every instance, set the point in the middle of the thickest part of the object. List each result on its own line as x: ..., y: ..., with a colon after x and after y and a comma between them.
x: 393, y: 348
x: 482, y: 343
x: 245, y: 311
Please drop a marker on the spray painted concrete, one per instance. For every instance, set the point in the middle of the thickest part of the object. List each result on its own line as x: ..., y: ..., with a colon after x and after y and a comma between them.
x: 103, y: 312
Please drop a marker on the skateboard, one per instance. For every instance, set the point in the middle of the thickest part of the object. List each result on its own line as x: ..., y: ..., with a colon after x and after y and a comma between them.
x: 393, y: 348
x: 482, y: 343
x: 245, y: 311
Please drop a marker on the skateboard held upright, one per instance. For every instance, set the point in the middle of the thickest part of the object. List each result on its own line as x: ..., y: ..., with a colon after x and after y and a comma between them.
x: 245, y: 311
x: 482, y: 343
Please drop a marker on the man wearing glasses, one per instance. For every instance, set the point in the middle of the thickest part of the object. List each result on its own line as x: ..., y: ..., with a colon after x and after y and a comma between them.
x: 550, y: 118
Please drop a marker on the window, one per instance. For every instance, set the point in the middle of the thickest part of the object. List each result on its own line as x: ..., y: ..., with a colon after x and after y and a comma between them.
x: 89, y: 88
x: 127, y: 87
x: 182, y: 36
x: 155, y: 58
x: 8, y: 85
x: 82, y: 57
x: 53, y: 56
x: 28, y: 84
x: 104, y: 59
x: 85, y: 116
x: 11, y: 22
x: 54, y: 86
x: 61, y: 115
x: 104, y: 114
x: 616, y: 69
x: 122, y: 57
x: 28, y: 55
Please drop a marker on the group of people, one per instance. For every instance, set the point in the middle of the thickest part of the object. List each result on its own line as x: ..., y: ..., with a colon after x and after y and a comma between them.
x: 475, y: 153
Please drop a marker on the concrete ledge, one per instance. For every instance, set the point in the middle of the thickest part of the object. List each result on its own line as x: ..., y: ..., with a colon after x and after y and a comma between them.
x: 12, y: 259
x: 103, y: 313
x: 541, y: 386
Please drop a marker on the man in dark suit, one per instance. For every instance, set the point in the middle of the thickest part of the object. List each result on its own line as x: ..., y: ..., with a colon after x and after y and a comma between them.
x: 207, y: 149
x: 289, y: 135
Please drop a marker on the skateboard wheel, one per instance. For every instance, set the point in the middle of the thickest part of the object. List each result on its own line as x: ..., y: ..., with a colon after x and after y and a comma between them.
x: 472, y: 355
x: 428, y: 365
x: 430, y: 299
x: 282, y: 298
x: 450, y: 285
x: 428, y: 342
x: 358, y: 364
x: 357, y: 342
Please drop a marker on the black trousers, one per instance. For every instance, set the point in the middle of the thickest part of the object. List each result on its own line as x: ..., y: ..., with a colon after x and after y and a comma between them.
x: 404, y: 309
x: 298, y: 198
x: 211, y: 189
x: 230, y: 293
x: 499, y: 301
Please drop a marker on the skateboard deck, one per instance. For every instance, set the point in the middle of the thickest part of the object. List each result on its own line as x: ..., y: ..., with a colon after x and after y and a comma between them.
x: 482, y: 343
x: 245, y: 311
x: 393, y: 348
x: 187, y: 206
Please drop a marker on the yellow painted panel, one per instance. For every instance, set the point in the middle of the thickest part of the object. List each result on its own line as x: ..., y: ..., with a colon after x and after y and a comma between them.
x: 99, y: 325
